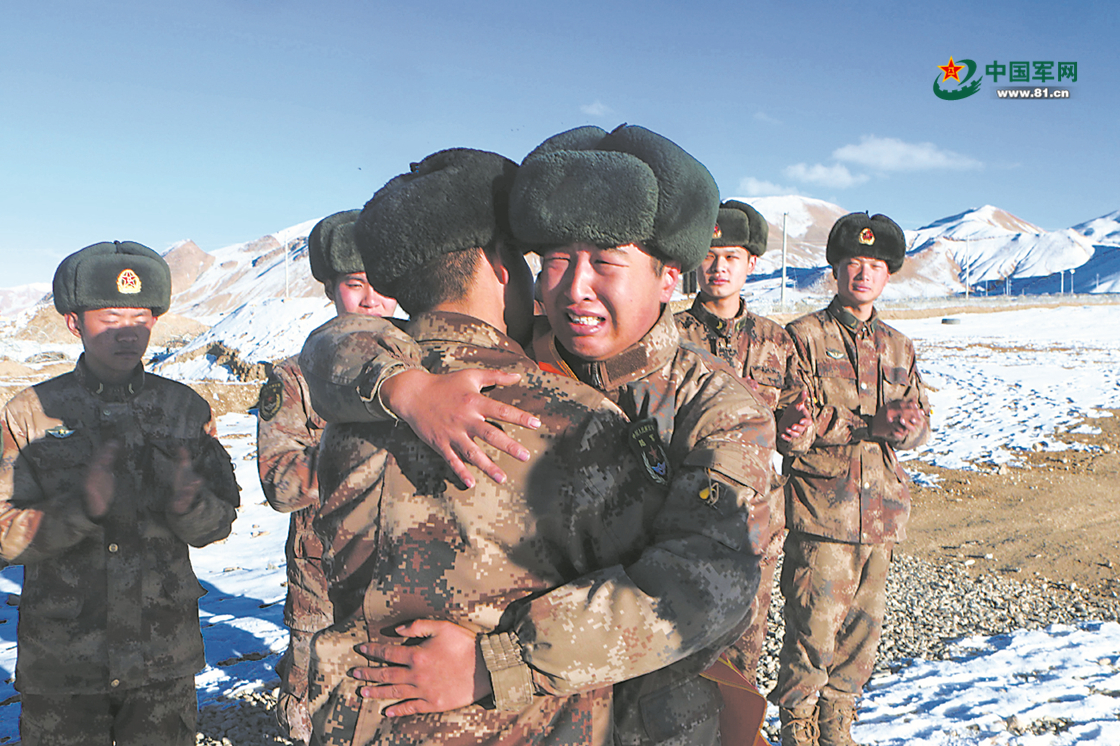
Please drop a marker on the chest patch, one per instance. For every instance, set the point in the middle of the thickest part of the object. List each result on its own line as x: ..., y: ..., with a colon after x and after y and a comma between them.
x: 645, y: 441
x: 271, y: 399
x: 60, y: 432
x: 836, y: 354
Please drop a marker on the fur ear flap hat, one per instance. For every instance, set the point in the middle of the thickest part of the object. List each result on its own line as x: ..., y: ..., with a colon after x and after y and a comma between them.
x: 875, y: 236
x: 739, y: 224
x: 629, y: 186
x: 331, y: 247
x: 117, y: 274
x: 452, y: 200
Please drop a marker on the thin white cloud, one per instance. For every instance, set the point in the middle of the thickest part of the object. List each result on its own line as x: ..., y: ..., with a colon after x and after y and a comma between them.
x: 891, y: 154
x: 597, y: 109
x: 762, y: 116
x: 753, y: 187
x: 833, y: 177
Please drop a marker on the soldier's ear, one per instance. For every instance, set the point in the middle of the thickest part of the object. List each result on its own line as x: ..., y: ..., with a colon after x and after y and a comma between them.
x: 74, y: 323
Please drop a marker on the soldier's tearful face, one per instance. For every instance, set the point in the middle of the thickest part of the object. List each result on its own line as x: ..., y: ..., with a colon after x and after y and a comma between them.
x: 600, y: 301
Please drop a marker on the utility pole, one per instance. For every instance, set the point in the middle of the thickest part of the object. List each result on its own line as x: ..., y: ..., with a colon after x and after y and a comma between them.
x: 783, y: 299
x: 285, y: 273
x: 1071, y: 280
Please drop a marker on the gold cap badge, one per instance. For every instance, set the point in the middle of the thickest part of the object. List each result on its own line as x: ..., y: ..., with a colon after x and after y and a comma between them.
x: 128, y: 283
x: 866, y: 237
x: 716, y: 232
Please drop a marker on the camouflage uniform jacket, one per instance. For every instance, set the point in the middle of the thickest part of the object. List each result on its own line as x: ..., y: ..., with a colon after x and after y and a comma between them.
x: 111, y: 603
x: 717, y: 437
x: 402, y: 541
x: 760, y: 352
x: 845, y: 485
x: 288, y: 432
x: 691, y: 583
x: 757, y: 348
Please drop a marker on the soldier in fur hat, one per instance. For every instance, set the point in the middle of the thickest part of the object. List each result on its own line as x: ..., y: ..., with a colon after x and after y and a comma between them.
x: 762, y: 353
x: 108, y: 475
x: 288, y: 433
x: 615, y: 217
x: 847, y: 499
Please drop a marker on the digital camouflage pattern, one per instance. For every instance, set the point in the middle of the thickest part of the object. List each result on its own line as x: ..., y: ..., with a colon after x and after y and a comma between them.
x: 755, y: 347
x: 164, y: 713
x: 761, y: 352
x: 113, y: 604
x: 685, y: 591
x: 847, y: 503
x: 835, y: 603
x: 403, y: 541
x: 719, y: 437
x: 846, y: 486
x: 288, y: 432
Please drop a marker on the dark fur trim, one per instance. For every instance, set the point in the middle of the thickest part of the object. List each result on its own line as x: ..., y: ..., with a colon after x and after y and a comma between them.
x: 118, y: 274
x: 332, y: 249
x: 629, y: 186
x: 452, y: 200
x: 884, y: 240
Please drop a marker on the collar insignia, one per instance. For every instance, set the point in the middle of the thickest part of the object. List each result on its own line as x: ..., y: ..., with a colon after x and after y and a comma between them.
x: 128, y: 282
x: 60, y: 432
x: 866, y: 237
x: 645, y: 441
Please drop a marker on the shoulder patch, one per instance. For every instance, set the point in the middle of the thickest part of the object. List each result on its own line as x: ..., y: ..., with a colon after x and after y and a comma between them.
x: 271, y: 398
x: 645, y: 441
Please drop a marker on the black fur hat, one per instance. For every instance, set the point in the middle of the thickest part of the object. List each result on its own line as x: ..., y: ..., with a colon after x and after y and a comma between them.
x: 739, y: 224
x: 117, y: 274
x: 452, y: 200
x: 875, y: 236
x: 629, y: 186
x: 331, y: 247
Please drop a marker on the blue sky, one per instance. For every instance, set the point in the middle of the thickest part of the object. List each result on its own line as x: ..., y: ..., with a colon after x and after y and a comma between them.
x: 223, y: 120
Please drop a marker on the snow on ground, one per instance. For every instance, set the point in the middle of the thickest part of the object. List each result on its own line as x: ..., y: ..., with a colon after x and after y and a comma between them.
x: 1004, y: 382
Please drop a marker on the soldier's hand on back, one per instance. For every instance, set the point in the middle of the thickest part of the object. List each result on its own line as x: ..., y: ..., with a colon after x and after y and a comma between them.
x: 449, y: 411
x: 185, y: 484
x: 443, y: 671
x: 100, y: 481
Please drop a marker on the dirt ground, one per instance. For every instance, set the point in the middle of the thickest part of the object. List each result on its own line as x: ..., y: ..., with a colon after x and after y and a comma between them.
x: 1058, y: 519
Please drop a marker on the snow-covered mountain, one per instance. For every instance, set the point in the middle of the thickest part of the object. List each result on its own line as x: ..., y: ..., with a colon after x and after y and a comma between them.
x: 14, y: 300
x: 214, y: 284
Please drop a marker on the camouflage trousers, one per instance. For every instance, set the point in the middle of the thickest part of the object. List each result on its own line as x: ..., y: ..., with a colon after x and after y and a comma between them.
x: 745, y: 653
x: 835, y: 602
x: 163, y: 714
x: 291, y: 704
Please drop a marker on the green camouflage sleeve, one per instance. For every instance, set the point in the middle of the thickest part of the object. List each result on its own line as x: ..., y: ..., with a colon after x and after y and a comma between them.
x: 33, y: 526
x: 345, y: 362
x: 211, y: 516
x: 691, y: 587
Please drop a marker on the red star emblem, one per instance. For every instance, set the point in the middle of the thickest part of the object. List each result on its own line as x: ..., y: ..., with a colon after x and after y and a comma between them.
x: 952, y: 70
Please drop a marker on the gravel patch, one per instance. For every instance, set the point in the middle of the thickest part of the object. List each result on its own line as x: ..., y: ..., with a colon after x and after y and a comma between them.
x: 928, y: 607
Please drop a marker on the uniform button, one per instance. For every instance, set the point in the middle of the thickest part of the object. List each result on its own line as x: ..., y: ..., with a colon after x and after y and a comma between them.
x: 863, y: 386
x: 867, y: 485
x: 115, y: 683
x: 113, y: 548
